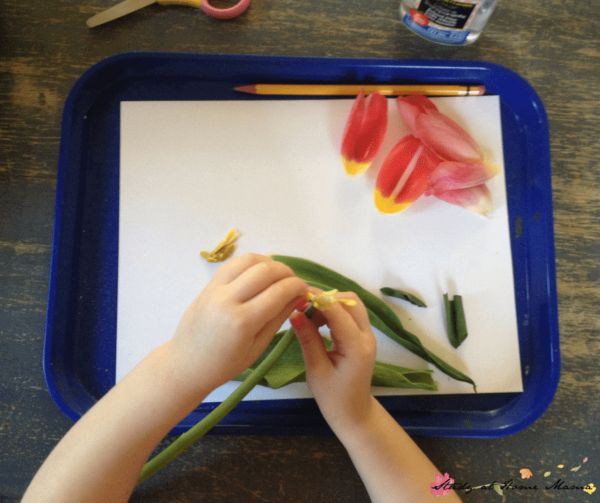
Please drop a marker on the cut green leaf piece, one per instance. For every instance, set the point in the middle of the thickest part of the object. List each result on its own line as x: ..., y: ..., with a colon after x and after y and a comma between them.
x: 393, y: 376
x: 455, y: 320
x: 290, y: 368
x: 401, y: 294
x: 381, y: 315
x: 450, y: 324
x: 460, y: 320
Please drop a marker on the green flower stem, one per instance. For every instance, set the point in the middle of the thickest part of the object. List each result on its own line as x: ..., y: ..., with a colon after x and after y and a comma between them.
x: 185, y: 440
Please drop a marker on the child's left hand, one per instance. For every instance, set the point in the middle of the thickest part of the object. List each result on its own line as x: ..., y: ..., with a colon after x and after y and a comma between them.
x: 232, y: 321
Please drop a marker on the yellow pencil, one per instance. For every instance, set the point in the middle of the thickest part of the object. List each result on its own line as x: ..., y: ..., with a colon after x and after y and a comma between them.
x: 355, y: 89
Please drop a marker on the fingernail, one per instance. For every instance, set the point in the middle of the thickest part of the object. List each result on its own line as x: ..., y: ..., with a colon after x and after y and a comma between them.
x: 301, y: 305
x: 297, y: 320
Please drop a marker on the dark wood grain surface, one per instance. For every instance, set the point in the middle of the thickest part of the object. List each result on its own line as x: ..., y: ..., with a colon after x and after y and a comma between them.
x: 44, y: 48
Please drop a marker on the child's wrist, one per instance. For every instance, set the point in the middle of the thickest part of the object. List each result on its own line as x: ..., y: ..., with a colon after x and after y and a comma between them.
x: 175, y: 382
x: 349, y: 429
x: 361, y: 431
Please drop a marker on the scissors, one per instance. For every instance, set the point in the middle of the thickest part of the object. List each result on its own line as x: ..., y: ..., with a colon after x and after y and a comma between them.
x: 128, y: 6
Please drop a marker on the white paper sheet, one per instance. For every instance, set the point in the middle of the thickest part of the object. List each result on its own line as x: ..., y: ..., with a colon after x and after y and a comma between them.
x: 190, y: 171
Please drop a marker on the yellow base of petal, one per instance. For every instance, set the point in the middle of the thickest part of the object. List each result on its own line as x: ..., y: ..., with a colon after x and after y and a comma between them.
x: 354, y: 168
x: 492, y: 168
x: 387, y: 205
x: 483, y: 207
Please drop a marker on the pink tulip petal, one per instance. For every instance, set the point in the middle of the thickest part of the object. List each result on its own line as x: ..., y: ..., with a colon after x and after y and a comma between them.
x: 452, y: 175
x: 411, y: 106
x: 477, y: 199
x: 364, y: 132
x: 446, y: 138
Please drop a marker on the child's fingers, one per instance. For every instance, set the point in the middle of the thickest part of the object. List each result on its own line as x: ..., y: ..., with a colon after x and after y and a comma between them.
x: 318, y: 319
x: 349, y: 325
x: 257, y: 278
x: 343, y: 326
x: 268, y: 303
x: 345, y: 331
x: 237, y: 265
x: 358, y: 311
x: 313, y: 348
x: 266, y: 333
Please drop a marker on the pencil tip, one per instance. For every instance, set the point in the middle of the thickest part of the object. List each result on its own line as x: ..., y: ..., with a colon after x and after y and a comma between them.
x: 245, y: 89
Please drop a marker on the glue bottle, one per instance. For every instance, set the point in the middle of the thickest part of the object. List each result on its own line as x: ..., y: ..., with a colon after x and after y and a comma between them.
x: 449, y: 22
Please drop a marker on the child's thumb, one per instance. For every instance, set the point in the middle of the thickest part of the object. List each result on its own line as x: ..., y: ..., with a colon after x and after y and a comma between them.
x: 313, y: 348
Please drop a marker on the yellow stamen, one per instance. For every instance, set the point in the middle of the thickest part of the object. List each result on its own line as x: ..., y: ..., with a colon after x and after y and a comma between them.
x: 224, y: 249
x: 324, y: 300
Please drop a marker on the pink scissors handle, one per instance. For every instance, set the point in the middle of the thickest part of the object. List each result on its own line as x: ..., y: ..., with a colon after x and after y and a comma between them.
x: 228, y: 13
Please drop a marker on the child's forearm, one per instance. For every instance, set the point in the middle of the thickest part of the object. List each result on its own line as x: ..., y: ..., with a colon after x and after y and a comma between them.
x: 100, y: 458
x: 391, y: 465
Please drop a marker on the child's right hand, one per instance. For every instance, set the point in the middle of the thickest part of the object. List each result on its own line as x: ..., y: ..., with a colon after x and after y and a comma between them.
x: 340, y: 379
x: 390, y: 464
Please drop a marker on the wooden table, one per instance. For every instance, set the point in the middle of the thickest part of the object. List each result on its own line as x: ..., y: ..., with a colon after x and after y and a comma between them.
x: 44, y: 48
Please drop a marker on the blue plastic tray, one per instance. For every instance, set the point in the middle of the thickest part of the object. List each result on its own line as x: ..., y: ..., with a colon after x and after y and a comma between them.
x: 79, y: 351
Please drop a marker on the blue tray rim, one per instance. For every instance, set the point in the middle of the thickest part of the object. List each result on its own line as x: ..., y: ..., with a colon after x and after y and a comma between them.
x: 518, y: 423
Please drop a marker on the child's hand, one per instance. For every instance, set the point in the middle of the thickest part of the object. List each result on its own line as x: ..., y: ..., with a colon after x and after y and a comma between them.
x: 231, y: 322
x: 340, y: 379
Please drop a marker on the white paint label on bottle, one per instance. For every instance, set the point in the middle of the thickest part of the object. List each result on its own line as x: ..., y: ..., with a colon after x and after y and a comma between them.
x: 443, y: 21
